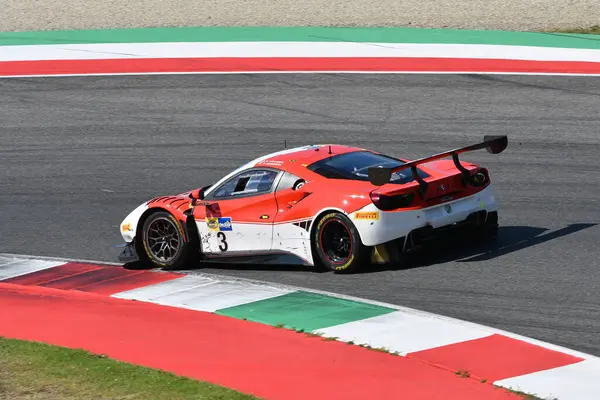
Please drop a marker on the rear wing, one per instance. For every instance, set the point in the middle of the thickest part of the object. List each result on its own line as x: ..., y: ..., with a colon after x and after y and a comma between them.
x: 493, y: 144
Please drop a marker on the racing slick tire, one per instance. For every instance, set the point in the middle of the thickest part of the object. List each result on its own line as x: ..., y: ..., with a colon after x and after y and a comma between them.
x: 337, y: 246
x: 164, y: 242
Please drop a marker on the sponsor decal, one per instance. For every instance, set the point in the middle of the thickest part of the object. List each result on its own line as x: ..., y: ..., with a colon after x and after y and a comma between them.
x: 219, y: 224
x: 225, y: 224
x: 276, y: 163
x: 370, y: 215
x: 212, y: 224
x: 264, y: 216
x: 448, y: 208
x: 126, y: 227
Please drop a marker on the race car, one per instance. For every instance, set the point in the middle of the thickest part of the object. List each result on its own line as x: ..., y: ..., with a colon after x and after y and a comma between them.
x: 328, y: 206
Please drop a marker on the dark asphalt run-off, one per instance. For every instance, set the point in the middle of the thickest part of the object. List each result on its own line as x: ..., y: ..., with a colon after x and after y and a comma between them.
x: 79, y: 153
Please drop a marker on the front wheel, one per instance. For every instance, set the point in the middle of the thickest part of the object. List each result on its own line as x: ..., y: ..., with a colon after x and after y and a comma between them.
x: 165, y: 243
x: 337, y: 244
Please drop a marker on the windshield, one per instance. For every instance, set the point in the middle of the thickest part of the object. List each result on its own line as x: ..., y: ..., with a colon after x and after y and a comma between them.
x: 355, y: 166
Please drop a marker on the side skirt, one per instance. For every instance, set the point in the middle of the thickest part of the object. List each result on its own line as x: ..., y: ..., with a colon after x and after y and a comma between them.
x: 275, y: 258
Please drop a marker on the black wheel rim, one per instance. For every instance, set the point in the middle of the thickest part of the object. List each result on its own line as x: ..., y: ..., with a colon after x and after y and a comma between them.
x: 336, y: 241
x: 162, y: 239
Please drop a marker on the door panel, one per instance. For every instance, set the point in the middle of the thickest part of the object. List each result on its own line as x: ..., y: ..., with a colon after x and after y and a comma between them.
x: 234, y: 226
x: 292, y: 224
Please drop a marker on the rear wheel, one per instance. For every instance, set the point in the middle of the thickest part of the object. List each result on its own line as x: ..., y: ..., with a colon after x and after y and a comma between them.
x: 165, y: 243
x: 337, y: 245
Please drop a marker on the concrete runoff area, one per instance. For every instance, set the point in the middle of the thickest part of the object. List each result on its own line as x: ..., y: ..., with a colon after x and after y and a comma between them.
x: 28, y: 15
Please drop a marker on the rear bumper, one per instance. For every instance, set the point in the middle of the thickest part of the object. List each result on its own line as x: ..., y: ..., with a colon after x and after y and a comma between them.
x: 129, y: 253
x: 386, y: 226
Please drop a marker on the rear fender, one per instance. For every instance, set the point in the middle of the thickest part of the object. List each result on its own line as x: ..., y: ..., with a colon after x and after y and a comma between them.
x: 349, y: 214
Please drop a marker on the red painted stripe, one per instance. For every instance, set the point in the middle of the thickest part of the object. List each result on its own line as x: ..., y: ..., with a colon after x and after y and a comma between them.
x: 101, y: 279
x: 94, y: 276
x: 246, y: 356
x: 495, y: 357
x: 129, y: 282
x: 52, y: 274
x: 398, y: 64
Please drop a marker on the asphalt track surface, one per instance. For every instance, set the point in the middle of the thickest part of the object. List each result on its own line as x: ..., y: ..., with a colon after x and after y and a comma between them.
x: 78, y: 154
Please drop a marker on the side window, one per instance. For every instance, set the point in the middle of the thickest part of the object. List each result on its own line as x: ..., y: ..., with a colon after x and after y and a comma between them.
x: 247, y: 183
x: 287, y: 181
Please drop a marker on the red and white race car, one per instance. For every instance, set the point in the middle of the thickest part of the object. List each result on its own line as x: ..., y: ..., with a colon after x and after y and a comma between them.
x: 331, y: 206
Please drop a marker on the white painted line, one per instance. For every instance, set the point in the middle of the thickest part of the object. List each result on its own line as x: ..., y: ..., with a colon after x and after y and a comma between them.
x: 11, y: 268
x: 203, y: 294
x: 220, y: 295
x: 156, y: 291
x: 580, y: 381
x: 98, y: 51
x: 4, y: 261
x: 403, y: 333
x: 62, y: 260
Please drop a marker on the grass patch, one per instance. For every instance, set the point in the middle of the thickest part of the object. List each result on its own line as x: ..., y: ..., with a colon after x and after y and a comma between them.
x: 464, y: 374
x: 592, y: 30
x: 527, y: 396
x: 35, y: 371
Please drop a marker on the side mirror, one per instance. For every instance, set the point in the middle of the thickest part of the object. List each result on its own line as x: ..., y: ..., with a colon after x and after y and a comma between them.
x: 198, y: 194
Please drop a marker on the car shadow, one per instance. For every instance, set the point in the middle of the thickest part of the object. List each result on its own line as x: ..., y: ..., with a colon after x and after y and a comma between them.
x: 455, y: 248
x: 460, y: 249
x: 241, y: 266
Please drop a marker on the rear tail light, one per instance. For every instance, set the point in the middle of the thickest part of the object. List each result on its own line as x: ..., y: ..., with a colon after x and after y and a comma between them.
x: 386, y: 202
x: 480, y: 178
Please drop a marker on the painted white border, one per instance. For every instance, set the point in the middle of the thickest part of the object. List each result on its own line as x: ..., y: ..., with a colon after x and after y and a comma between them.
x: 266, y: 49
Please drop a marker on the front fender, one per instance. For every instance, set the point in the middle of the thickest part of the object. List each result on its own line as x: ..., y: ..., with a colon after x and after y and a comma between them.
x: 129, y: 225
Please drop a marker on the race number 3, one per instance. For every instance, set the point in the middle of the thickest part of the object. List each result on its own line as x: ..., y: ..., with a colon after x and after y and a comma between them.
x: 223, y: 241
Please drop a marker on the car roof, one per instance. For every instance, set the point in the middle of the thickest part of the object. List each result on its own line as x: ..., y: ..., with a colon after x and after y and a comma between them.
x: 296, y: 160
x: 300, y: 157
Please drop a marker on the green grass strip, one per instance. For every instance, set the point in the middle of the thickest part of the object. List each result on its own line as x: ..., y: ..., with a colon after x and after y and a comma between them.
x: 30, y: 370
x: 593, y: 30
